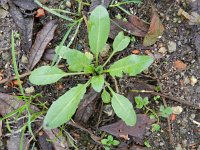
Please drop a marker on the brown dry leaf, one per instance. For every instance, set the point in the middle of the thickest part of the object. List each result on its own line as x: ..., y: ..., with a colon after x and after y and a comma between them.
x: 95, y: 3
x: 25, y: 26
x: 134, y: 26
x: 179, y: 65
x: 9, y: 103
x: 59, y: 142
x: 25, y: 4
x: 86, y: 107
x: 120, y: 129
x: 194, y: 17
x: 155, y: 31
x: 44, y: 36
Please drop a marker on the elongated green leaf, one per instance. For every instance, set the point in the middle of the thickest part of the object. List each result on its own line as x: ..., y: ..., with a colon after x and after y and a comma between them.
x: 97, y: 83
x: 105, y: 96
x: 131, y: 65
x: 99, y: 28
x: 120, y: 42
x: 46, y: 75
x: 63, y: 109
x: 123, y: 109
x: 77, y: 60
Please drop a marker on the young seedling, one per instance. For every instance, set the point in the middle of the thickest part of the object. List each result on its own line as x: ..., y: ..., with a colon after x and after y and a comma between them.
x: 165, y: 112
x: 64, y: 108
x: 109, y: 142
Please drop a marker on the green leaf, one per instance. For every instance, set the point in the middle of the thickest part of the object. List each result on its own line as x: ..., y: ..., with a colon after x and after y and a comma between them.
x: 123, y: 109
x: 77, y: 60
x: 110, y: 138
x: 166, y: 112
x: 115, y: 142
x: 97, y: 83
x: 46, y: 75
x: 131, y: 65
x: 99, y: 28
x: 105, y: 96
x: 104, y: 141
x: 63, y: 109
x: 155, y: 127
x: 120, y: 42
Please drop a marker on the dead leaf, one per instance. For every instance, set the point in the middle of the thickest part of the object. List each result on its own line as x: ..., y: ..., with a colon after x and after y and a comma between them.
x: 194, y: 17
x: 95, y: 3
x: 155, y: 31
x: 137, y: 132
x: 25, y: 4
x: 9, y: 103
x: 179, y: 65
x: 25, y: 26
x: 3, y: 13
x: 136, y: 52
x: 14, y: 142
x: 44, y: 36
x: 86, y: 107
x: 40, y: 13
x: 59, y: 142
x: 134, y: 26
x: 49, y: 54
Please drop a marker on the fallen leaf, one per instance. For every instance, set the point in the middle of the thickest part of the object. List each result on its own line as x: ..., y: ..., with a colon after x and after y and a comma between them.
x: 44, y: 36
x: 155, y: 31
x: 25, y: 4
x: 40, y: 13
x: 49, y: 55
x: 15, y: 82
x: 59, y: 142
x: 96, y: 3
x: 137, y: 132
x: 13, y: 142
x: 179, y: 65
x: 9, y: 103
x: 86, y: 107
x: 194, y: 17
x: 25, y: 26
x: 195, y: 5
x: 3, y: 13
x: 134, y: 26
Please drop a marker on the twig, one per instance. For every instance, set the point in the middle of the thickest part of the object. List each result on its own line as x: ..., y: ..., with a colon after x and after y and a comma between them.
x: 94, y: 137
x: 14, y: 77
x: 116, y: 85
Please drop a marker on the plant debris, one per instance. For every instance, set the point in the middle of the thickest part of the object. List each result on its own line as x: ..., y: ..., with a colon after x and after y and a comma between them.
x: 155, y: 31
x: 44, y: 36
x: 95, y: 3
x: 25, y: 4
x: 134, y: 26
x: 137, y: 132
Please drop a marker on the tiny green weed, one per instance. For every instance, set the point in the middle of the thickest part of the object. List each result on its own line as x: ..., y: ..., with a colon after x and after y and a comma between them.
x: 109, y: 142
x: 165, y: 112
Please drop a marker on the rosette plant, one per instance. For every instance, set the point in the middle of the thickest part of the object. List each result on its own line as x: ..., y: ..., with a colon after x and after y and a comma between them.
x: 62, y: 110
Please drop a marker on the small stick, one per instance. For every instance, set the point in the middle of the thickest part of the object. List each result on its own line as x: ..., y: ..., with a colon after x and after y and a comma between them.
x: 94, y: 137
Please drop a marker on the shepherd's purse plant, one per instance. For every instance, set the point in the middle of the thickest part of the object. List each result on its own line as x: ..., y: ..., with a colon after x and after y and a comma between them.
x: 65, y: 106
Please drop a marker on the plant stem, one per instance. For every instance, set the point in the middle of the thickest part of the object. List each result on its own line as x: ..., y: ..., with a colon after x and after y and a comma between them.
x: 153, y: 112
x: 111, y: 55
x: 15, y: 64
x: 76, y: 73
x: 53, y: 12
x: 128, y: 13
x: 122, y: 3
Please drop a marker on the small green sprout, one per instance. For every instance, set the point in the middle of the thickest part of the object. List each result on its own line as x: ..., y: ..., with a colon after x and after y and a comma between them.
x: 155, y: 127
x: 109, y: 142
x: 141, y: 102
x: 165, y: 112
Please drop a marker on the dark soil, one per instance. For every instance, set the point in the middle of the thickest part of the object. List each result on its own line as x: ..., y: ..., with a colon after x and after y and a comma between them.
x: 185, y: 132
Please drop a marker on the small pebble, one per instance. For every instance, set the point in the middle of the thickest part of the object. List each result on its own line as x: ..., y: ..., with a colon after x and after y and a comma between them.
x: 177, y: 110
x: 29, y: 90
x: 162, y: 50
x: 24, y: 59
x: 171, y: 46
x: 68, y: 4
